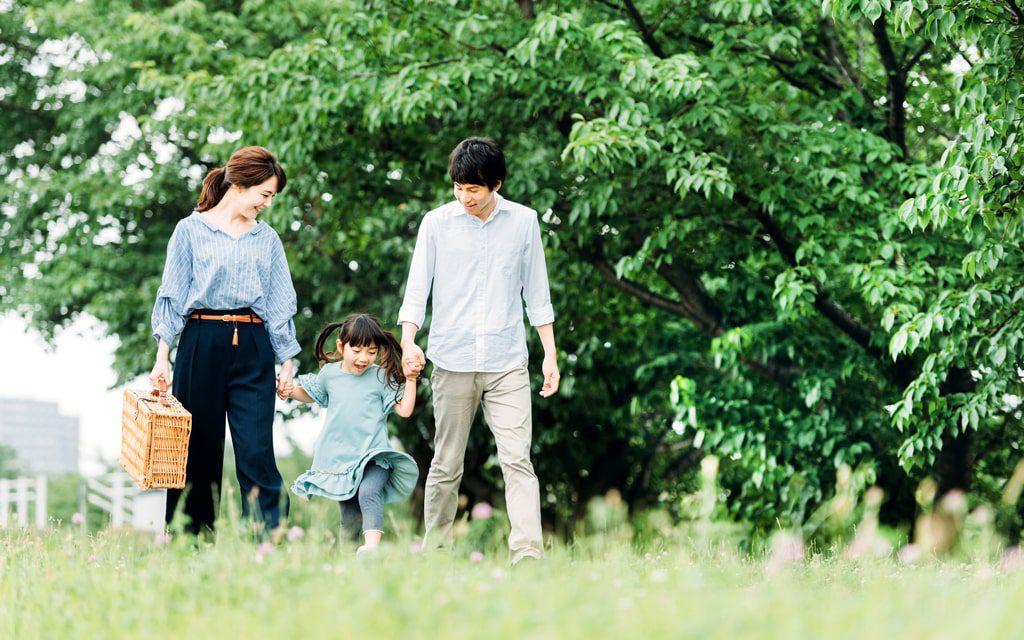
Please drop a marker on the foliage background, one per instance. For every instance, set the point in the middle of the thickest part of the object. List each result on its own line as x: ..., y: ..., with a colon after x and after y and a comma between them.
x: 786, y: 233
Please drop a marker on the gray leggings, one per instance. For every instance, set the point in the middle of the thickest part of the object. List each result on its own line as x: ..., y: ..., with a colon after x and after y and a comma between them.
x: 366, y: 504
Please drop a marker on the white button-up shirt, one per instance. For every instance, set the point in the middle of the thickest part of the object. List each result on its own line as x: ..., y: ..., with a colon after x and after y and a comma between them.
x: 481, y: 273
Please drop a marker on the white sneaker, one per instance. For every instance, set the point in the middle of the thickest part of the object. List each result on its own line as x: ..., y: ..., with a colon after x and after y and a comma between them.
x: 366, y: 549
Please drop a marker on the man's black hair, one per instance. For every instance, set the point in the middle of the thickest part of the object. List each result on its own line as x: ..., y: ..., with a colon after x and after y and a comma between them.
x: 477, y: 161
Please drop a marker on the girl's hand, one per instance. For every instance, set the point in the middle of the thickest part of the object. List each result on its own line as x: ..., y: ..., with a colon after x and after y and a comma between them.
x: 160, y: 376
x: 411, y: 369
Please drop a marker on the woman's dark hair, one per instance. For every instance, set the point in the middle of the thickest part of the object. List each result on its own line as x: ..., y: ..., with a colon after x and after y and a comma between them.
x: 362, y: 330
x: 477, y: 161
x: 247, y: 167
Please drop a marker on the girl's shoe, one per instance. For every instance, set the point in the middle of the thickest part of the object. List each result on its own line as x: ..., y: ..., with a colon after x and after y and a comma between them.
x: 366, y: 549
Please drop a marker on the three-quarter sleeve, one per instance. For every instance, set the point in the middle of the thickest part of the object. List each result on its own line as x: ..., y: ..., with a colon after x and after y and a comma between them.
x: 281, y: 305
x: 421, y: 275
x: 169, y: 311
x: 534, y: 275
x: 311, y: 384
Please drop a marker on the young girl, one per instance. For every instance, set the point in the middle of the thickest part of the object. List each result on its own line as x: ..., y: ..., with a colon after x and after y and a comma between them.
x: 354, y: 463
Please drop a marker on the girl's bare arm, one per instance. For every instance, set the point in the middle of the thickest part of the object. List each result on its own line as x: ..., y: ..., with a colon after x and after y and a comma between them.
x: 408, y: 402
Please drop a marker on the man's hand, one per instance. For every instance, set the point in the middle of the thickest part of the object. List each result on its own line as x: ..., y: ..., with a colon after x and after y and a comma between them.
x: 410, y: 370
x: 551, y: 377
x: 412, y: 357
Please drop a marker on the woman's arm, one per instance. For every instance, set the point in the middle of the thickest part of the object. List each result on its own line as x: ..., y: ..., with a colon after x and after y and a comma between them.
x: 408, y: 402
x: 168, y: 317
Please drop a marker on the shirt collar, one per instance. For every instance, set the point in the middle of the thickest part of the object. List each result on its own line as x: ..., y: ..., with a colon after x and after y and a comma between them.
x: 212, y: 227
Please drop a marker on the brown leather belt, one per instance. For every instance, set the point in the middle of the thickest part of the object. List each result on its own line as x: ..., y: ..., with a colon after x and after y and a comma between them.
x: 246, y: 318
x: 234, y: 320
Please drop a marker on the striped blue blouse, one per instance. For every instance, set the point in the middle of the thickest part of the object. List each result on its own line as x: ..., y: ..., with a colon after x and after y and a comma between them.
x: 207, y: 268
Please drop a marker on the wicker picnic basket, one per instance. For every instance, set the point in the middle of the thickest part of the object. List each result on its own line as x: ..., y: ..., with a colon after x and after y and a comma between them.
x: 154, y: 439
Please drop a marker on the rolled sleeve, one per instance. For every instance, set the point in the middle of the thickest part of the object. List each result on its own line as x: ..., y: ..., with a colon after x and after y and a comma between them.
x: 281, y: 306
x: 421, y: 275
x: 169, y: 310
x: 536, y: 292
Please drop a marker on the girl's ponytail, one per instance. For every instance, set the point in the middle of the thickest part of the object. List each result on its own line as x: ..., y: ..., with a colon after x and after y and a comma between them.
x: 323, y: 357
x: 215, y: 185
x: 391, y: 362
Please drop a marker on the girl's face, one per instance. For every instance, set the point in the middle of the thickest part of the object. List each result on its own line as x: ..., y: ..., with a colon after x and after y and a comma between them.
x: 355, y: 360
x: 252, y: 200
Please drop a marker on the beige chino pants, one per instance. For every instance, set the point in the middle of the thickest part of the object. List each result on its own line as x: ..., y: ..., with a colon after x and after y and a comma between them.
x: 507, y: 409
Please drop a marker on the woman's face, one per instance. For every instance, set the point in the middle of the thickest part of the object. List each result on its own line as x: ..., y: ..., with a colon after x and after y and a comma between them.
x: 252, y: 200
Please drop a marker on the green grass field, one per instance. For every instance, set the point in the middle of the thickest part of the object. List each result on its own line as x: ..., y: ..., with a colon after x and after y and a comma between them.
x: 66, y: 583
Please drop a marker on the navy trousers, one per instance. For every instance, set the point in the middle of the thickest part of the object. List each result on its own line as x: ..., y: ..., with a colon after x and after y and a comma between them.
x: 212, y: 378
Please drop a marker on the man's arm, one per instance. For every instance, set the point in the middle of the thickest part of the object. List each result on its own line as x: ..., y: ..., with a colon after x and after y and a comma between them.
x: 546, y: 332
x: 417, y: 289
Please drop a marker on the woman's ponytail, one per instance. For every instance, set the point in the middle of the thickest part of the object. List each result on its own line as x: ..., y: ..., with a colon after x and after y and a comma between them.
x: 215, y: 185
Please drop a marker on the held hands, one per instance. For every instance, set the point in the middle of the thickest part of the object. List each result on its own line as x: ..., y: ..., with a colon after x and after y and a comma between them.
x: 413, y: 360
x: 551, y: 377
x: 285, y: 386
x: 411, y: 371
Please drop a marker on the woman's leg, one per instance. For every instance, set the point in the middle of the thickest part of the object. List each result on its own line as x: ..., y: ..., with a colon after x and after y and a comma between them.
x: 200, y: 383
x: 369, y: 495
x: 250, y: 400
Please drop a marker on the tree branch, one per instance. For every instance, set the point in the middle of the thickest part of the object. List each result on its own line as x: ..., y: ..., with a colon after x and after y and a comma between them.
x: 897, y: 81
x: 826, y: 306
x: 1016, y: 11
x: 638, y: 291
x: 917, y: 56
x: 526, y: 10
x: 646, y: 33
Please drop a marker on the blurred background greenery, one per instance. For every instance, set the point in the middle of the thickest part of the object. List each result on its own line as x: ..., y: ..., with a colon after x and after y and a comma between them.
x: 782, y: 233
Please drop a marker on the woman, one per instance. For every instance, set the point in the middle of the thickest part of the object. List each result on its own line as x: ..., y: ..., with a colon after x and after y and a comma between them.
x: 227, y: 290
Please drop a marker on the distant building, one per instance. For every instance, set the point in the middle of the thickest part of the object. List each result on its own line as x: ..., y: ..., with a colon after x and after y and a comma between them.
x: 45, y: 441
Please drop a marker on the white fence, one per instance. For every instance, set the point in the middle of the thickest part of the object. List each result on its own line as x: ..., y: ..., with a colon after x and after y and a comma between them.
x: 127, y: 505
x: 22, y: 492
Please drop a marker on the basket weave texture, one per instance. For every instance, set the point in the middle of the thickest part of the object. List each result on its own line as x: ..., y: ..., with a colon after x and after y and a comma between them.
x: 154, y: 439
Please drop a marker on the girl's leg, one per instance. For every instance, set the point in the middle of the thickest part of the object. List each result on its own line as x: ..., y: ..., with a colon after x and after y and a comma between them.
x: 369, y: 496
x: 350, y: 519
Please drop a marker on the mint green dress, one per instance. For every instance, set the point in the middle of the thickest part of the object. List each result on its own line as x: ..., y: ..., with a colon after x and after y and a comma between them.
x: 355, y: 434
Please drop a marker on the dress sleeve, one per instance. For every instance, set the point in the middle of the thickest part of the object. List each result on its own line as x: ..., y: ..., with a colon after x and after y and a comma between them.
x: 169, y: 310
x: 314, y: 386
x: 388, y: 395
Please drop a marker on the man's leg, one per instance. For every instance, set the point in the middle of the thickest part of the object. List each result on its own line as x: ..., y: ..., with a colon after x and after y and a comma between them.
x: 456, y: 398
x: 507, y: 409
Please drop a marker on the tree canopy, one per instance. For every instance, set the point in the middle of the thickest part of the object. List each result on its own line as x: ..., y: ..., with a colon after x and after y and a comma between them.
x: 785, y: 233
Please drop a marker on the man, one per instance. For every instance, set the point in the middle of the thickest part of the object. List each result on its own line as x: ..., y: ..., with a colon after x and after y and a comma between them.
x: 483, y: 256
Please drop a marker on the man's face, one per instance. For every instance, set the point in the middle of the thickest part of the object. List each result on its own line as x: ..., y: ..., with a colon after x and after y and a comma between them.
x: 475, y: 198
